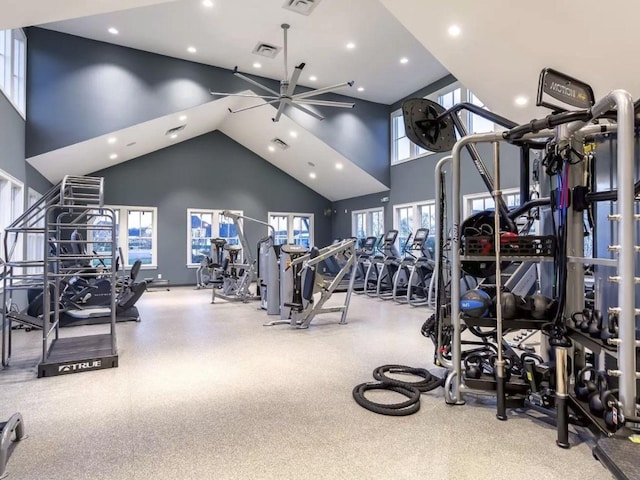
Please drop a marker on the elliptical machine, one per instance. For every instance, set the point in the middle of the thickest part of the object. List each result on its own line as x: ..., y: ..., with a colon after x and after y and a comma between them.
x: 414, y: 271
x: 375, y: 270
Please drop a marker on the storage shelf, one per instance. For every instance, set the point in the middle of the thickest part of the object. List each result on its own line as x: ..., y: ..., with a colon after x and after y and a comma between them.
x: 583, y: 409
x: 594, y: 344
x: 505, y: 258
x: 512, y: 323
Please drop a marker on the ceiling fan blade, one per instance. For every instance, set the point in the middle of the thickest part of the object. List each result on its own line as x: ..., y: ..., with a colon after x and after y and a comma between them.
x: 320, y: 91
x: 306, y: 110
x: 324, y: 103
x: 279, y: 112
x: 264, y: 97
x: 253, y: 82
x: 293, y: 83
x: 252, y: 106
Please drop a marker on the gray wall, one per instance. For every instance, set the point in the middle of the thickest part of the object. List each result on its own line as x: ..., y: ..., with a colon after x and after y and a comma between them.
x: 12, y: 149
x: 342, y: 210
x: 97, y: 88
x: 211, y: 171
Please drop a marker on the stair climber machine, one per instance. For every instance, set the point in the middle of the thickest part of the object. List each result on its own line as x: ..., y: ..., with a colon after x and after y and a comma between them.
x: 375, y: 270
x: 303, y: 291
x: 363, y: 258
x: 209, y: 272
x: 414, y: 272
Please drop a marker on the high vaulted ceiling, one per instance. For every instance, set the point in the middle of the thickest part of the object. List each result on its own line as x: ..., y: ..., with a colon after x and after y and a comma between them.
x: 24, y: 13
x: 503, y: 45
x: 225, y: 34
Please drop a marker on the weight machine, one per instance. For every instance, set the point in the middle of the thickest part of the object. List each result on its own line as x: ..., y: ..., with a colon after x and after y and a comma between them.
x: 300, y: 281
x: 566, y: 392
x: 237, y: 277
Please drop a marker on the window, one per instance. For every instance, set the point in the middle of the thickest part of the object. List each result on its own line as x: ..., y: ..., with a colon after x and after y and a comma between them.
x: 292, y: 228
x: 12, y: 201
x: 409, y: 217
x: 35, y: 241
x: 136, y: 234
x: 403, y: 149
x: 479, y: 202
x: 13, y: 67
x: 367, y: 223
x: 202, y: 226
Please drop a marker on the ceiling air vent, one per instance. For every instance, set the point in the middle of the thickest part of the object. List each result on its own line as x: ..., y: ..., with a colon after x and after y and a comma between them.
x: 305, y: 7
x: 280, y: 143
x: 266, y: 50
x: 173, y: 131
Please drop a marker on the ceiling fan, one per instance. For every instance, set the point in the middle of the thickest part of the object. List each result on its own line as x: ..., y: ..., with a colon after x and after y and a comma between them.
x: 287, y: 89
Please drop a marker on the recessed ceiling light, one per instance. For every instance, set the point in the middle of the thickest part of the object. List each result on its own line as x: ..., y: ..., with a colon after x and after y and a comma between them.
x: 351, y: 45
x: 521, y: 101
x: 113, y: 156
x: 404, y: 60
x: 257, y: 65
x: 361, y: 89
x: 113, y: 31
x: 454, y: 30
x: 191, y: 49
x: 293, y: 133
x: 173, y: 136
x: 182, y: 118
x: 312, y: 175
x: 271, y: 148
x: 339, y: 166
x: 112, y: 140
x: 313, y: 78
x: 207, y: 3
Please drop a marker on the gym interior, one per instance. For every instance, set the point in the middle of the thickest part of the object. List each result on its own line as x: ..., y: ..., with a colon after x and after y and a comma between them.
x: 319, y: 239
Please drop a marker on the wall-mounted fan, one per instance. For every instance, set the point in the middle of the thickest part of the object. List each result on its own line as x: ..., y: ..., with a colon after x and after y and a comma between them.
x: 287, y: 95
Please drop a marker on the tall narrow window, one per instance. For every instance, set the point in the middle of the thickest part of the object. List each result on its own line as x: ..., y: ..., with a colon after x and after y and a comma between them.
x: 405, y: 224
x: 367, y: 223
x: 13, y: 67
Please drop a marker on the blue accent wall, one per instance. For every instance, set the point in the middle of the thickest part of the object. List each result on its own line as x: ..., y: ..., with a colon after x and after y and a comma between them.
x: 210, y: 172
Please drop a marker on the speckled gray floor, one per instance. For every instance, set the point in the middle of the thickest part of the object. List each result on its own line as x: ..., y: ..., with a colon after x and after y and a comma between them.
x: 206, y: 392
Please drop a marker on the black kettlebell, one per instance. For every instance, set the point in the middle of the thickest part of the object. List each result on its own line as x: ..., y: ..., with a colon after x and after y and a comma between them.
x: 613, y: 417
x: 587, y: 316
x: 509, y: 305
x: 585, y: 387
x: 595, y: 399
x: 596, y: 324
x: 539, y: 306
x: 473, y: 366
x: 611, y: 330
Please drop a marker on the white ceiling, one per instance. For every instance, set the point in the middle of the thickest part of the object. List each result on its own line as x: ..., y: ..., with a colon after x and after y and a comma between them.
x: 226, y: 34
x: 505, y: 44
x: 24, y: 13
x: 253, y: 129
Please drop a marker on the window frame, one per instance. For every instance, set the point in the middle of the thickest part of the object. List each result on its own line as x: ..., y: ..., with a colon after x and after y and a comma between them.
x: 290, y: 230
x: 14, y: 49
x: 122, y: 233
x: 368, y: 223
x: 215, y: 226
x: 8, y: 195
x: 469, y: 198
x: 416, y: 218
